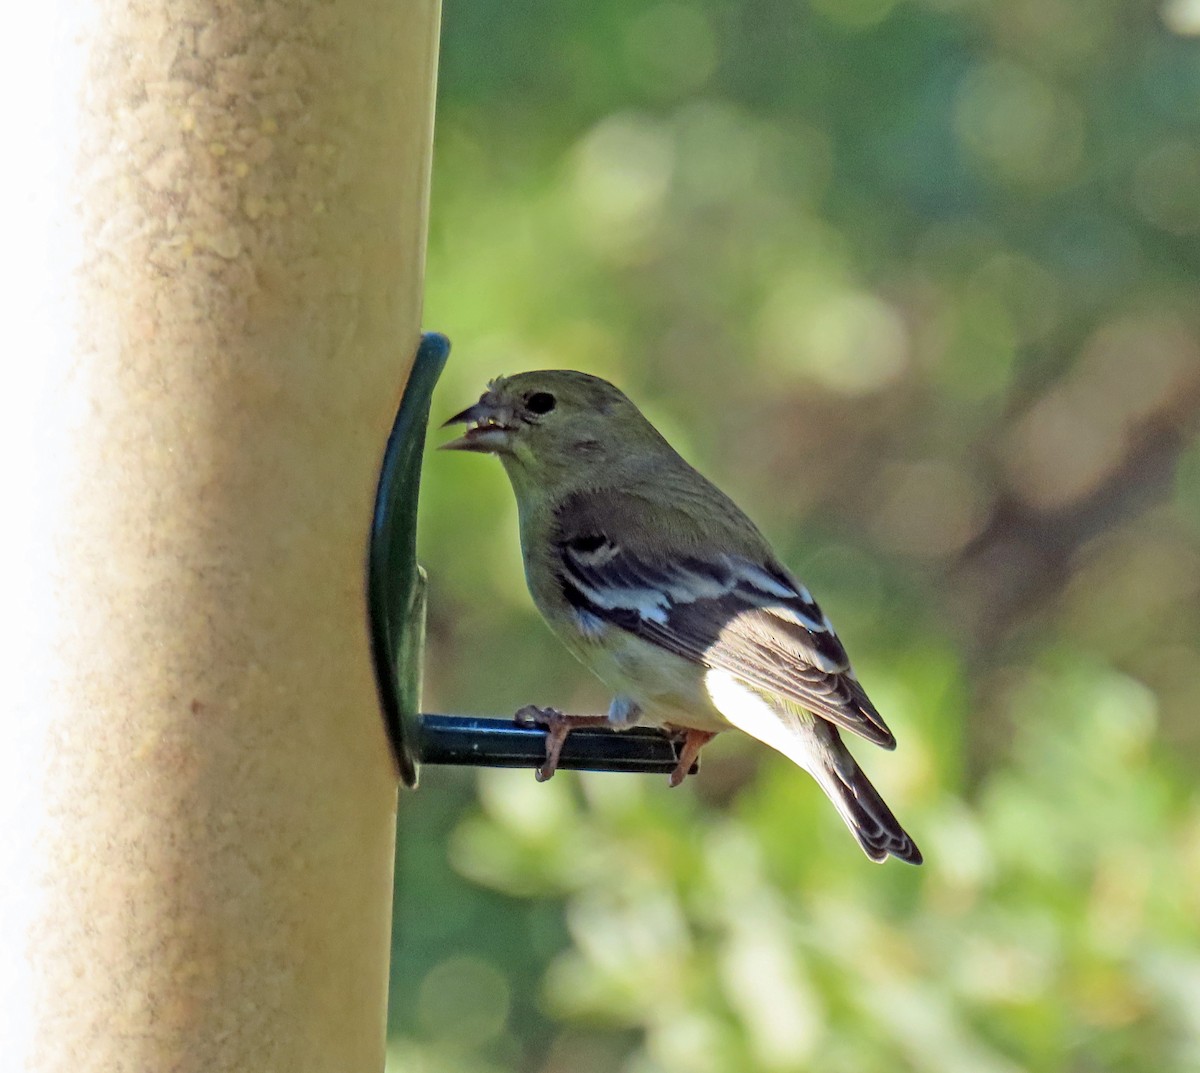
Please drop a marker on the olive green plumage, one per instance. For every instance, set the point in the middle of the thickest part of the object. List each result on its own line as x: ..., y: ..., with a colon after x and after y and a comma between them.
x: 656, y: 580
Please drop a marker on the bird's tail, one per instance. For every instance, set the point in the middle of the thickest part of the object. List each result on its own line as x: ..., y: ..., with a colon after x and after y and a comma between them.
x: 859, y: 804
x: 816, y: 746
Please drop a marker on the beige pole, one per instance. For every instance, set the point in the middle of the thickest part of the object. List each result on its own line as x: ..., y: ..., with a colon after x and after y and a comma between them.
x: 212, y: 260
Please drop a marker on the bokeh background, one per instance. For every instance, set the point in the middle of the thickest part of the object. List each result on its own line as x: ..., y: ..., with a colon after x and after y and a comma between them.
x: 915, y: 281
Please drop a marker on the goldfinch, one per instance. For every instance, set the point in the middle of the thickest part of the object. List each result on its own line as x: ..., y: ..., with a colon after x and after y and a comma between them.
x: 660, y: 585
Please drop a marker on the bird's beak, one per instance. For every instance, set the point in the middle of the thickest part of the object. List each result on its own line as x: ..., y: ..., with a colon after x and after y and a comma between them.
x: 489, y: 429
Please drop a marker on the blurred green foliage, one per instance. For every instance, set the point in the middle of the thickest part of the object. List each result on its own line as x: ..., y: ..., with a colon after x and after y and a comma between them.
x: 916, y: 282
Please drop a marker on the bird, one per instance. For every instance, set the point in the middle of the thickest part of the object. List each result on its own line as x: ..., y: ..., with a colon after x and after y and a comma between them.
x: 659, y: 584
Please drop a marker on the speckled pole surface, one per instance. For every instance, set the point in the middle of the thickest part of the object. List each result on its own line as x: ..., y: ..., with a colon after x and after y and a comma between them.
x: 215, y: 264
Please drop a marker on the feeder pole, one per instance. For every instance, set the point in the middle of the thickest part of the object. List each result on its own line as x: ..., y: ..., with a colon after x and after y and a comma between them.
x: 214, y: 224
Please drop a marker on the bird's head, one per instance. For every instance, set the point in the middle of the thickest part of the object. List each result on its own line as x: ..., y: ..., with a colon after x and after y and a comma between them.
x: 545, y: 424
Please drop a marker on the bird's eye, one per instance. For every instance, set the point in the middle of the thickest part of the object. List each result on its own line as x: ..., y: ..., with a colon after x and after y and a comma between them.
x: 540, y: 402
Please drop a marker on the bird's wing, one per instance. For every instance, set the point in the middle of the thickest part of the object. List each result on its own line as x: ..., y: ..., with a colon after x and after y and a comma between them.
x: 723, y: 610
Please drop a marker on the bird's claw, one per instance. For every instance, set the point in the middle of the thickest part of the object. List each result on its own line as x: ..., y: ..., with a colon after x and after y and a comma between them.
x: 558, y: 726
x: 689, y: 753
x: 532, y: 715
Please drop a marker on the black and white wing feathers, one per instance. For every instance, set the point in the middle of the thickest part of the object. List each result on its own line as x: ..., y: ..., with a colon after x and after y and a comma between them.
x: 726, y: 611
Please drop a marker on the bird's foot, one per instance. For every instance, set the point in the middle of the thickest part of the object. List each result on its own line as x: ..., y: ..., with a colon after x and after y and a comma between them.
x: 693, y: 742
x: 558, y: 726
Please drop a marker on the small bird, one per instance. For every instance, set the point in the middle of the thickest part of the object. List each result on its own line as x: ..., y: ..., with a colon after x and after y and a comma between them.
x: 661, y: 586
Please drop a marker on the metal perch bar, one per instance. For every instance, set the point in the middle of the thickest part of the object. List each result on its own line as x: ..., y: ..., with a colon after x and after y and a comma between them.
x: 474, y: 742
